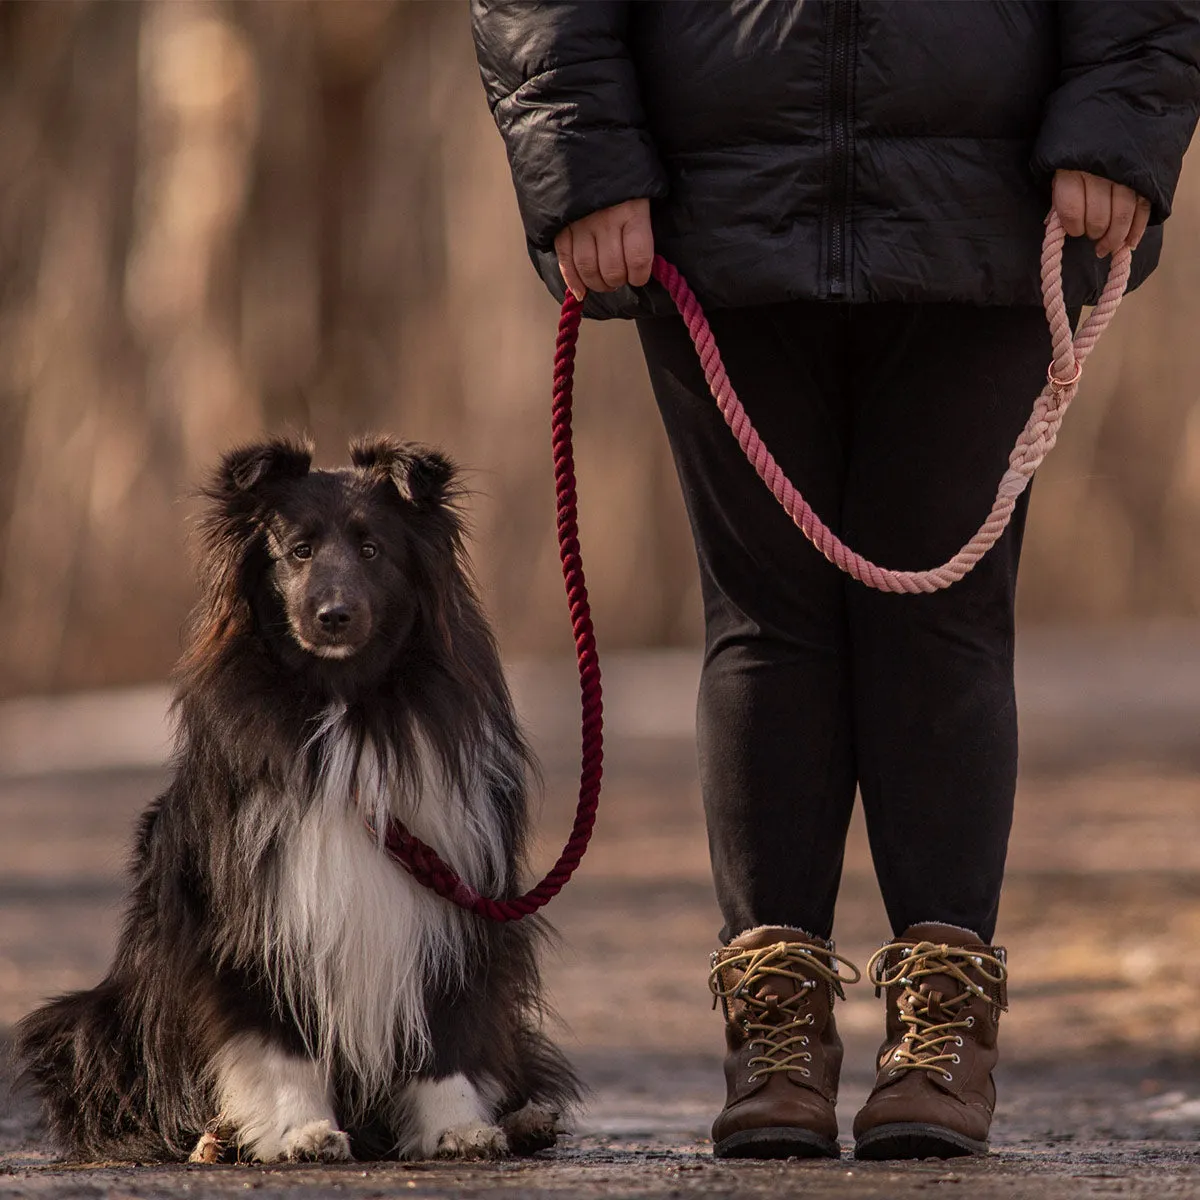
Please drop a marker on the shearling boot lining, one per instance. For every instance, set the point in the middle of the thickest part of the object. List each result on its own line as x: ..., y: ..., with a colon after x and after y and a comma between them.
x: 802, y: 935
x: 945, y: 925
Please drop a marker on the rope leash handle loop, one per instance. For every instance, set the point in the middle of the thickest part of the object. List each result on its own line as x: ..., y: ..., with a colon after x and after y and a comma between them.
x: 1034, y: 443
x: 421, y: 860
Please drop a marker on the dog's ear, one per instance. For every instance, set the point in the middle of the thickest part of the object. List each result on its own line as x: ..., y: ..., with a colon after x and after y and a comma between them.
x: 422, y: 476
x: 231, y: 524
x: 248, y: 468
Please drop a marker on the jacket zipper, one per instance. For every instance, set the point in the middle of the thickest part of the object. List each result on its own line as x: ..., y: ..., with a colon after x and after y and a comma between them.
x: 841, y: 61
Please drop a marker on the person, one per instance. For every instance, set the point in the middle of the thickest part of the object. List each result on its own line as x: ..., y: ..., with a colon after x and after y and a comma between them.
x: 856, y: 192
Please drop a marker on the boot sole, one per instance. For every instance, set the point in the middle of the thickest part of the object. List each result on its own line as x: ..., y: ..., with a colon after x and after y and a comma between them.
x: 913, y: 1139
x: 776, y: 1141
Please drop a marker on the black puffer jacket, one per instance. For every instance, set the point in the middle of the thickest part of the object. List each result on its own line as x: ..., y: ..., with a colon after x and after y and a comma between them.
x: 861, y: 150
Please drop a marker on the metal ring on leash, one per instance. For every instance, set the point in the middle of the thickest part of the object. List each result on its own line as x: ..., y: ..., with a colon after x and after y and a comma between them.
x: 1054, y: 380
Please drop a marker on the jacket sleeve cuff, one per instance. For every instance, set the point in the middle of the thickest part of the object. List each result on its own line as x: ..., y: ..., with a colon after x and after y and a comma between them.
x: 1093, y: 124
x: 577, y: 143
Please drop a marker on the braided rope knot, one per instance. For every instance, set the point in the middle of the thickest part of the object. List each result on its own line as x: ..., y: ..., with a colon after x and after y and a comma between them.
x: 767, y: 992
x: 934, y: 1022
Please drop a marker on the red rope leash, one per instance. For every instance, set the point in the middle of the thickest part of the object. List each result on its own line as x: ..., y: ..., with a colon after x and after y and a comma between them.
x: 1035, y: 442
x: 423, y: 861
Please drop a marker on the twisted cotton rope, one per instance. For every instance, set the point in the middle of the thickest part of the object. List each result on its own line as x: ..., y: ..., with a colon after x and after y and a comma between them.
x: 420, y: 859
x: 1035, y: 442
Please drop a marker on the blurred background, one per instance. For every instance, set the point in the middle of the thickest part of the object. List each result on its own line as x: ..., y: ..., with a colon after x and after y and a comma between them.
x: 223, y: 218
x: 217, y: 219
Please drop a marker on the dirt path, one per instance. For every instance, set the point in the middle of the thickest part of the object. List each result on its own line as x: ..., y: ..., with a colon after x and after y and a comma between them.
x: 1100, y: 1087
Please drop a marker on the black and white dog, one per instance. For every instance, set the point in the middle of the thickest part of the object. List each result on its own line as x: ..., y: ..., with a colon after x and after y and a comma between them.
x: 282, y: 989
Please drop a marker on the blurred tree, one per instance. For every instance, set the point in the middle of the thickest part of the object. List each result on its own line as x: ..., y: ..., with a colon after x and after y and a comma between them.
x: 218, y: 218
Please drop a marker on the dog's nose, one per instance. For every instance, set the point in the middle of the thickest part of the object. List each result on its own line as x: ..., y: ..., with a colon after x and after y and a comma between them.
x: 333, y: 618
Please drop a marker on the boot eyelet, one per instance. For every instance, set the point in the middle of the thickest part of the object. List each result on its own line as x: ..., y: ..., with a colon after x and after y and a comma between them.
x: 893, y: 1071
x: 805, y: 1071
x: 954, y: 1058
x: 949, y: 1076
x: 897, y: 1056
x: 970, y: 1022
x: 752, y: 1077
x: 958, y: 1041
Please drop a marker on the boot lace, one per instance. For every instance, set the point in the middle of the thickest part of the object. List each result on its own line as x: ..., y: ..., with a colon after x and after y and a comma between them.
x: 933, y: 1023
x: 776, y: 1023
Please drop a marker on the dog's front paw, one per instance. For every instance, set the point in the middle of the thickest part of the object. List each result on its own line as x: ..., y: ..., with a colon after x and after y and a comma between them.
x: 317, y: 1141
x: 472, y: 1141
x: 207, y: 1150
x: 532, y: 1128
x: 217, y: 1143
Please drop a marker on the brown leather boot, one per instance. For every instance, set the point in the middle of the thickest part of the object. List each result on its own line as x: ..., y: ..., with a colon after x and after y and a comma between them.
x: 933, y: 1095
x: 776, y: 987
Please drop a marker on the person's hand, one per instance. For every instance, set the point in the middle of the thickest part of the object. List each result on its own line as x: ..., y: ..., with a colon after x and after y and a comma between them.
x: 607, y: 249
x: 1111, y: 214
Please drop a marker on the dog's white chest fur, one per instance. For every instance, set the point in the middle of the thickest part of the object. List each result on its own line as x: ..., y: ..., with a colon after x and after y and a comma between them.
x: 355, y: 940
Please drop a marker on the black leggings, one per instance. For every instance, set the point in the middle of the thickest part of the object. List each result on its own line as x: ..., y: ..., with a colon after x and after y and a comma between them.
x: 895, y: 422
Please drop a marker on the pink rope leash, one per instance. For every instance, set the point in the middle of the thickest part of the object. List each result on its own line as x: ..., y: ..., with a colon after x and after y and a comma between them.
x: 1035, y: 442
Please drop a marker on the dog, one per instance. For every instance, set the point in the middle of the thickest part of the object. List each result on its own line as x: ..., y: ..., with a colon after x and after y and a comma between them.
x: 282, y: 989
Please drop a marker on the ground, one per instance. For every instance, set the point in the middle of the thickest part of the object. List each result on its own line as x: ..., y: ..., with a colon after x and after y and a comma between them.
x: 1100, y: 1082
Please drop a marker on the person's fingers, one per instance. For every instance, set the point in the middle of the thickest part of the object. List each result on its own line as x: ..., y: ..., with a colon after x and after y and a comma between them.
x: 1099, y: 206
x: 1123, y: 202
x: 638, y: 241
x: 1069, y: 201
x: 607, y: 249
x: 610, y: 253
x: 563, y: 247
x: 587, y: 259
x: 1141, y: 218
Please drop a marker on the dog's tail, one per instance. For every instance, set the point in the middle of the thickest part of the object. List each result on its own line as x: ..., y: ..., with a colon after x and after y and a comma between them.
x: 82, y: 1058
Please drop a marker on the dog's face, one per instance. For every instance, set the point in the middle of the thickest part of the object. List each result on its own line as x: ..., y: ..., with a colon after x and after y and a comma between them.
x: 338, y: 566
x: 339, y: 563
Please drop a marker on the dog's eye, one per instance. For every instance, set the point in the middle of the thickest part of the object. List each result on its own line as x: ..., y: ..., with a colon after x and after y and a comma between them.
x: 369, y: 550
x: 302, y: 550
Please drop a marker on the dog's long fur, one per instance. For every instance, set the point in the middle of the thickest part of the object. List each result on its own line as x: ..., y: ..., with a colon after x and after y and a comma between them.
x: 278, y: 975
